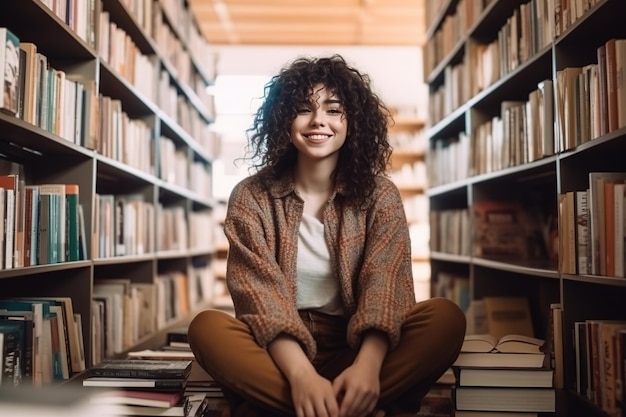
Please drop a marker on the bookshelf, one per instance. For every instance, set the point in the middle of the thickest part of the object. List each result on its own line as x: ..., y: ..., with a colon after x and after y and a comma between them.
x: 507, y: 126
x: 141, y: 157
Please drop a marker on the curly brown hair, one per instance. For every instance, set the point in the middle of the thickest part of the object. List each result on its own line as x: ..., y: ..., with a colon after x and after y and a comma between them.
x: 366, y: 151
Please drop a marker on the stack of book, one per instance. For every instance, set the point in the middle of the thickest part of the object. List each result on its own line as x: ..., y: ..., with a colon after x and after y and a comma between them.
x: 506, y: 377
x: 199, y: 382
x: 144, y: 387
x: 177, y: 348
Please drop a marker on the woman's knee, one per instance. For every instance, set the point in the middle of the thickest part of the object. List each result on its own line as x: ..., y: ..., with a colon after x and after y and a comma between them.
x: 448, y: 318
x: 204, y: 326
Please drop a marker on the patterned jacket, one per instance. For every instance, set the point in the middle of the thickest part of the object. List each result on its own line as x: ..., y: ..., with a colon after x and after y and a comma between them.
x: 370, y: 253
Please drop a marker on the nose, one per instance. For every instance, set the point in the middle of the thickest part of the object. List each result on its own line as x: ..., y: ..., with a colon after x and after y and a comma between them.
x: 318, y: 117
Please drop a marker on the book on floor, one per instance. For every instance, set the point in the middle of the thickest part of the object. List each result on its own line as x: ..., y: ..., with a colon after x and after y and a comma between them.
x: 133, y: 368
x: 139, y: 397
x: 161, y: 384
x: 502, y: 360
x: 505, y: 399
x: 181, y: 409
x: 504, y: 377
x: 464, y: 413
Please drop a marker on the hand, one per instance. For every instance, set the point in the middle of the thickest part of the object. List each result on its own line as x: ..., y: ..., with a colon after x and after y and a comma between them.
x: 358, y: 388
x: 313, y: 395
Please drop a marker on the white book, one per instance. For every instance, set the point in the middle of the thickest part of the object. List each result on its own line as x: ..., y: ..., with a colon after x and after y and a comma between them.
x: 9, y: 228
x: 59, y: 190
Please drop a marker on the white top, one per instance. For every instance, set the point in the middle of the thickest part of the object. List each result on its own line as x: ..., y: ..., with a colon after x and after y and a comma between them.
x: 318, y: 288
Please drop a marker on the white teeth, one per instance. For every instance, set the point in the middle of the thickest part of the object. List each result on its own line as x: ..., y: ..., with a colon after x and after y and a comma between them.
x: 317, y: 137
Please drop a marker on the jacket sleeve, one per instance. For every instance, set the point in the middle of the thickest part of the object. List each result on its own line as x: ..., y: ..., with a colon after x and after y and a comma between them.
x: 263, y: 295
x: 385, y: 282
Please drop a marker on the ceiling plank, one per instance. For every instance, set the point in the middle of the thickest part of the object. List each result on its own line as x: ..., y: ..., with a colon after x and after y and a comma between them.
x: 333, y: 22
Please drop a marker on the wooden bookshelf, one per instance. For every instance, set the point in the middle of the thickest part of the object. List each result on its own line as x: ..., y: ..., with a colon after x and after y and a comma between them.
x: 479, y: 65
x: 149, y: 153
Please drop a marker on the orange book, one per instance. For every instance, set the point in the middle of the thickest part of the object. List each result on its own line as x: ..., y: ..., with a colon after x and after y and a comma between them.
x: 611, y: 86
x: 609, y: 228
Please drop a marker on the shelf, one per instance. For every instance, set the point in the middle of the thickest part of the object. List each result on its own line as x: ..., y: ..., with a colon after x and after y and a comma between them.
x: 131, y: 207
x: 528, y: 196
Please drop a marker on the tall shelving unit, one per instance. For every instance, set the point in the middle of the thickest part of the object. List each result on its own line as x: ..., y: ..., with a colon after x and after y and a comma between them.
x: 167, y: 165
x: 465, y: 172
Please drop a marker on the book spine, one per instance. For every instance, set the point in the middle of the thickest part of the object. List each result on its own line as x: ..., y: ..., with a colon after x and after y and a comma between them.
x: 44, y: 226
x: 582, y: 232
x: 11, y: 368
x: 72, y: 227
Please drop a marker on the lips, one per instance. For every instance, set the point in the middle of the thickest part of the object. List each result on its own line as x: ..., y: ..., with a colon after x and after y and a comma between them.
x: 317, y: 137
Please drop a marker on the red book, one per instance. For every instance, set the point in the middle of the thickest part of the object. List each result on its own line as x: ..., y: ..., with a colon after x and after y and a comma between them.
x: 143, y: 398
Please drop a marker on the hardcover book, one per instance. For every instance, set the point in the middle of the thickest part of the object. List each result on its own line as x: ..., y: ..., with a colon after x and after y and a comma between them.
x: 502, y: 360
x: 505, y: 399
x: 502, y: 377
x: 132, y: 368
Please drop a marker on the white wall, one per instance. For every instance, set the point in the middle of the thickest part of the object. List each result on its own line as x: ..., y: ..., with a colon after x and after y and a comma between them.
x: 396, y: 72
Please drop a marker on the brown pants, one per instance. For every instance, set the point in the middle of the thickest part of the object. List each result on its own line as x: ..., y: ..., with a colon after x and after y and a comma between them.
x: 432, y: 335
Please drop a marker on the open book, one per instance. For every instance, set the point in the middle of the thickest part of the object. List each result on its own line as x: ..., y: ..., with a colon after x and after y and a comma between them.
x: 512, y: 343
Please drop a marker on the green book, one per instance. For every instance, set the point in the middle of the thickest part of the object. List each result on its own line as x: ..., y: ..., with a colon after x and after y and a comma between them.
x: 72, y: 222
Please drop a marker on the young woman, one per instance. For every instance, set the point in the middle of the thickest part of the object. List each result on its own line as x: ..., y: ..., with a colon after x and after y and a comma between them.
x: 319, y: 264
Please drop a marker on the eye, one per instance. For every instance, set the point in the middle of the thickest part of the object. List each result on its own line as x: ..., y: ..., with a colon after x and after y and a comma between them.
x: 303, y: 110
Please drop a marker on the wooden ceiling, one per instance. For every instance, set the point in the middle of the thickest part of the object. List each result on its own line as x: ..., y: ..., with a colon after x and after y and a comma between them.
x: 311, y: 22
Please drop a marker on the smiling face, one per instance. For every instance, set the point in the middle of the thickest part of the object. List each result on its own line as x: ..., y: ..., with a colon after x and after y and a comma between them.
x: 320, y: 126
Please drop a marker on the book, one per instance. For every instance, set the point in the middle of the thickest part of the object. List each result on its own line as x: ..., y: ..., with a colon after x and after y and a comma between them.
x: 72, y: 250
x: 31, y: 225
x: 583, y: 247
x: 11, y: 347
x: 499, y: 230
x: 619, y: 190
x: 503, y: 377
x: 502, y: 360
x: 25, y: 324
x: 77, y: 361
x: 161, y: 399
x: 505, y: 399
x: 10, y: 184
x: 9, y: 70
x: 42, y: 335
x: 179, y: 410
x: 463, y: 413
x: 582, y: 358
x: 597, y: 219
x: 508, y: 315
x: 132, y: 368
x: 177, y: 335
x: 512, y: 343
x: 57, y: 230
x: 29, y: 95
x: 161, y: 384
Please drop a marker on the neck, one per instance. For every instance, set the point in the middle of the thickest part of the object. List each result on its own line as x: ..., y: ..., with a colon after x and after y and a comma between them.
x: 314, y: 178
